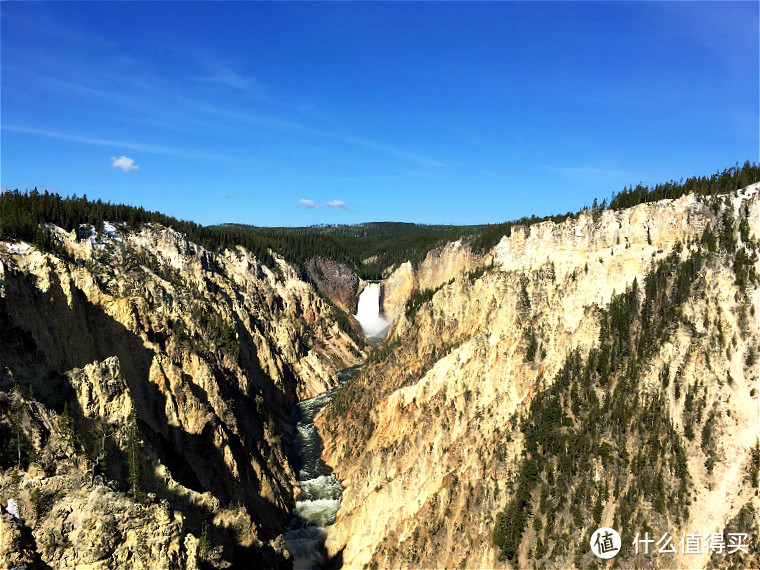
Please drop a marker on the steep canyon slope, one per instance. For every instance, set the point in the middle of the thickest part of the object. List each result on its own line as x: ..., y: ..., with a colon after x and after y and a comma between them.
x: 146, y: 389
x: 597, y: 372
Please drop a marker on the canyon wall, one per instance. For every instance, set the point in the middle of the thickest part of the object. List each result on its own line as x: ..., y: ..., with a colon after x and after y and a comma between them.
x: 144, y: 365
x: 435, y: 442
x: 598, y: 372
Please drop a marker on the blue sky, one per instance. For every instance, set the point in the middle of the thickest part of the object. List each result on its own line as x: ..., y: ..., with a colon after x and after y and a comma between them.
x: 304, y: 113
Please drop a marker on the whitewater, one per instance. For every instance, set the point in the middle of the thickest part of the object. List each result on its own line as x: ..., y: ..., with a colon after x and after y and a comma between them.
x: 319, y: 501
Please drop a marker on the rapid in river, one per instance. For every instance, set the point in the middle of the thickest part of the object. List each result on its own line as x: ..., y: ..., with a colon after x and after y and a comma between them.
x: 320, y: 500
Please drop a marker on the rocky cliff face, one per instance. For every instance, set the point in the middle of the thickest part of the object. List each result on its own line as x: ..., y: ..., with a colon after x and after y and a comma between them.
x: 336, y: 281
x: 439, y: 265
x: 143, y: 363
x: 466, y: 418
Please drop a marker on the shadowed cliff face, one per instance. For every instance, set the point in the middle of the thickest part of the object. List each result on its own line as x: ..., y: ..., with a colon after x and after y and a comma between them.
x: 202, y: 356
x: 336, y: 281
x: 550, y: 367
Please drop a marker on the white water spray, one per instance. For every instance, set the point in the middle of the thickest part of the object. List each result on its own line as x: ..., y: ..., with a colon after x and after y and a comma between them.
x: 368, y: 312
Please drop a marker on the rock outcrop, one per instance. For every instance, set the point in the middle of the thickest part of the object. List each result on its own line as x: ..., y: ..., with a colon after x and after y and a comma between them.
x: 438, y: 267
x: 597, y: 372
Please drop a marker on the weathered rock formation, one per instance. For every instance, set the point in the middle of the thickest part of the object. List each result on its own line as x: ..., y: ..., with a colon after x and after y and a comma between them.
x: 598, y: 372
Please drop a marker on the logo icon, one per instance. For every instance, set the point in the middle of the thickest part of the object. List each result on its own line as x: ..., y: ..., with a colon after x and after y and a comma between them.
x: 605, y: 542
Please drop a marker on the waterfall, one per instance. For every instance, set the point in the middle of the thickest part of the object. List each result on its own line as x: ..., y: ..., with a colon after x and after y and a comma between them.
x: 368, y: 312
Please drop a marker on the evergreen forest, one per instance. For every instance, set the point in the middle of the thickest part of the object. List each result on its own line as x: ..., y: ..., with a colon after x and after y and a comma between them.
x: 368, y: 249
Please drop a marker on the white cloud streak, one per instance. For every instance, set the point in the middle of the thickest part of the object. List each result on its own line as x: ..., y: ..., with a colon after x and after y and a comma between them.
x: 227, y: 78
x: 125, y: 163
x: 223, y: 76
x: 387, y: 149
x: 260, y: 120
x: 214, y: 74
x: 154, y: 149
x: 334, y: 204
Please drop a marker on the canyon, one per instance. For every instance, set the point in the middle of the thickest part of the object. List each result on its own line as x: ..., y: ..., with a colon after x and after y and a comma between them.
x: 149, y: 390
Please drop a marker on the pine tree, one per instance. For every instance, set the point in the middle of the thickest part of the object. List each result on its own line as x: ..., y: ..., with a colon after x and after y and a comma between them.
x: 66, y: 425
x: 134, y: 446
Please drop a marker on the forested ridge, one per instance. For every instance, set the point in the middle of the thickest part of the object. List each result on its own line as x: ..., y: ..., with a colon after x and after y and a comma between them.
x: 23, y: 216
x: 368, y: 249
x: 365, y: 248
x: 728, y: 180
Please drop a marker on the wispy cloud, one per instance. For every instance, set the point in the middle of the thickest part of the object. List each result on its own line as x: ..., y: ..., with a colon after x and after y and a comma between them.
x: 146, y: 102
x: 218, y: 69
x: 334, y: 204
x: 125, y: 163
x: 226, y: 77
x: 142, y: 147
x: 42, y: 22
x: 229, y: 78
x: 388, y: 149
x: 269, y: 121
x: 145, y: 109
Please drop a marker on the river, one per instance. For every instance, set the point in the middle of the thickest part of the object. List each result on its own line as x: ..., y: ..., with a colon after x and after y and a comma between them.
x: 320, y: 500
